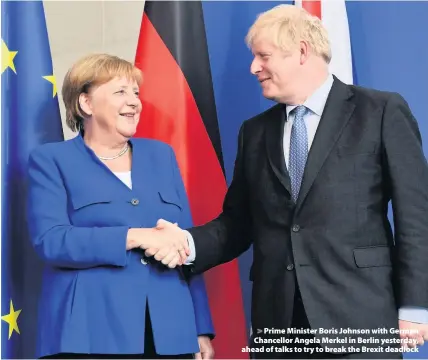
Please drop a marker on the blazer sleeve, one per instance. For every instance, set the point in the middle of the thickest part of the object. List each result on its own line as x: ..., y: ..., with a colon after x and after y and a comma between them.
x: 204, y: 324
x: 407, y: 175
x: 54, y: 238
x: 228, y: 236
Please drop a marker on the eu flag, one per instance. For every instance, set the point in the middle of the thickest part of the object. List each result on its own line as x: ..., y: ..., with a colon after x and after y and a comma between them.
x: 30, y: 116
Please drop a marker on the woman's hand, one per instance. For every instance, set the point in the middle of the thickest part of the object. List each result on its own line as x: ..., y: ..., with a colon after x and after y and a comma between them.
x: 167, y: 243
x: 206, y: 350
x: 174, y: 241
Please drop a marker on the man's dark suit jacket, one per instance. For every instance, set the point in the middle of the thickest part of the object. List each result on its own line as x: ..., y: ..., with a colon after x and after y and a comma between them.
x: 336, y: 241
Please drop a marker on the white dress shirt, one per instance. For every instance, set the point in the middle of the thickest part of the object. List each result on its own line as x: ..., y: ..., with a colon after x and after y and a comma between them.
x: 316, y: 103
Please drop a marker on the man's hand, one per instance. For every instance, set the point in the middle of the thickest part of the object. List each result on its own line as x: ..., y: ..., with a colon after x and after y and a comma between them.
x: 415, y: 331
x: 205, y: 347
x: 173, y: 248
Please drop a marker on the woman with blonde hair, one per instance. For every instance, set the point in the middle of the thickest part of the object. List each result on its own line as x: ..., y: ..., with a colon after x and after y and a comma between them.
x: 94, y: 202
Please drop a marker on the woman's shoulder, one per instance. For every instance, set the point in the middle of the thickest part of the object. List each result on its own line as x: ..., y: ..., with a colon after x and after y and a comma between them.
x: 152, y: 145
x: 53, y: 149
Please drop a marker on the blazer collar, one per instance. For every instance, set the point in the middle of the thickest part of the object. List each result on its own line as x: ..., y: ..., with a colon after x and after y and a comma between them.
x: 337, y: 112
x: 275, y: 120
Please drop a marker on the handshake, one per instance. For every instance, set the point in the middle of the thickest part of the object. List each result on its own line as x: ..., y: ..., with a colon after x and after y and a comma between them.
x: 166, y: 242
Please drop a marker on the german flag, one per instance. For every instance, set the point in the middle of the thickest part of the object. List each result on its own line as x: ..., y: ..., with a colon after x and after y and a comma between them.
x: 179, y: 109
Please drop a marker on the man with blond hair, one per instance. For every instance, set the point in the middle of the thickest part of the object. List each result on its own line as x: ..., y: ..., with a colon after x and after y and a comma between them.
x: 312, y: 182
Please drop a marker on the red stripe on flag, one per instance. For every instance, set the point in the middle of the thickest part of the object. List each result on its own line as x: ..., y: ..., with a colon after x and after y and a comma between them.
x: 170, y: 114
x: 313, y: 7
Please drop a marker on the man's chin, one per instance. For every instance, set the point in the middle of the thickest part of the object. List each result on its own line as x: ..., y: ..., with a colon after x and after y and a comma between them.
x: 268, y: 95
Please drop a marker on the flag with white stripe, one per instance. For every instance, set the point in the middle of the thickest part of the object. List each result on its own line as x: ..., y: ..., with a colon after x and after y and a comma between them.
x: 335, y: 19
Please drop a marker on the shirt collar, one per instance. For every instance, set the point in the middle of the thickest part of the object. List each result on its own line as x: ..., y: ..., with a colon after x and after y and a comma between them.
x: 316, y: 102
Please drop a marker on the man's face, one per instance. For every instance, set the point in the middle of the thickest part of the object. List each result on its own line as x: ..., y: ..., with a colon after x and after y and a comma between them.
x: 276, y: 70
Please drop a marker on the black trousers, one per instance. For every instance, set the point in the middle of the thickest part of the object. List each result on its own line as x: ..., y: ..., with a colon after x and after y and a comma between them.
x: 300, y: 320
x: 149, y: 349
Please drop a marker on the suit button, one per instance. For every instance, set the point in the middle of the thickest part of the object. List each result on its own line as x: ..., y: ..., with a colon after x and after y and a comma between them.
x: 290, y: 267
x: 295, y: 228
x: 144, y: 262
x: 135, y: 202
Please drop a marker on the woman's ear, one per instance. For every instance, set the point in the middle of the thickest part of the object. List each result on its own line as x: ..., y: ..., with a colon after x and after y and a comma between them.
x: 85, y: 103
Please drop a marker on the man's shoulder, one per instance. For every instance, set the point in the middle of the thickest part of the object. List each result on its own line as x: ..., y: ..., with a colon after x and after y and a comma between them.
x: 375, y: 96
x: 271, y: 114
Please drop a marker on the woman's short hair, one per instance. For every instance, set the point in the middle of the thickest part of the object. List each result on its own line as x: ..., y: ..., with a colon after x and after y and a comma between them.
x: 89, y: 71
x: 286, y: 25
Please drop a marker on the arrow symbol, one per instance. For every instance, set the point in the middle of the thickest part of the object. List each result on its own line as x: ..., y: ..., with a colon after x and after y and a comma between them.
x: 259, y: 331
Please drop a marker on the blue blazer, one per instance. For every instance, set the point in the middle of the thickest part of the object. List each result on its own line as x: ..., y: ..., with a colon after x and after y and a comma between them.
x: 94, y: 292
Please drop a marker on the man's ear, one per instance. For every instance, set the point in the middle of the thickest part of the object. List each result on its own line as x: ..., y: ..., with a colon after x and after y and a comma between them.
x: 85, y: 103
x: 304, y: 51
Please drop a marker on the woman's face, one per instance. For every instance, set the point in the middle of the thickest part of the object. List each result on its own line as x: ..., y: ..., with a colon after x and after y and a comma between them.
x: 114, y: 106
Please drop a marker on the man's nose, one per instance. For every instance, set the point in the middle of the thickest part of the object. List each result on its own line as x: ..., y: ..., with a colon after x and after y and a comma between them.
x: 255, y: 67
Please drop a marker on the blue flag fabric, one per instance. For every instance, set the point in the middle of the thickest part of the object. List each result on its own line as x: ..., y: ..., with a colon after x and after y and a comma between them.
x: 30, y: 117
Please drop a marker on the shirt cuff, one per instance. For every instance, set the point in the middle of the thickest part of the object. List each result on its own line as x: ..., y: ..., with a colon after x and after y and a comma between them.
x: 191, y: 258
x: 413, y: 314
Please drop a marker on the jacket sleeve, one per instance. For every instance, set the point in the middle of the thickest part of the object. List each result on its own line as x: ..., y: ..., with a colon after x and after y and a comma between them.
x: 204, y: 324
x: 54, y: 238
x: 407, y: 179
x: 228, y: 236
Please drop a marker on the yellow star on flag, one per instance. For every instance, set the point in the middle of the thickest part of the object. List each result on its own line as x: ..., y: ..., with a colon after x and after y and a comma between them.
x: 7, y: 58
x: 52, y: 80
x: 11, y: 319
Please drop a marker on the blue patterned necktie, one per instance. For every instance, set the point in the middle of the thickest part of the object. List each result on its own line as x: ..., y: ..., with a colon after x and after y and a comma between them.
x: 298, y: 150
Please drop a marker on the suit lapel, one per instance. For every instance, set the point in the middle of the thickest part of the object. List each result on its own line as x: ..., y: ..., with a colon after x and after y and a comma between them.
x: 274, y: 144
x: 336, y: 114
